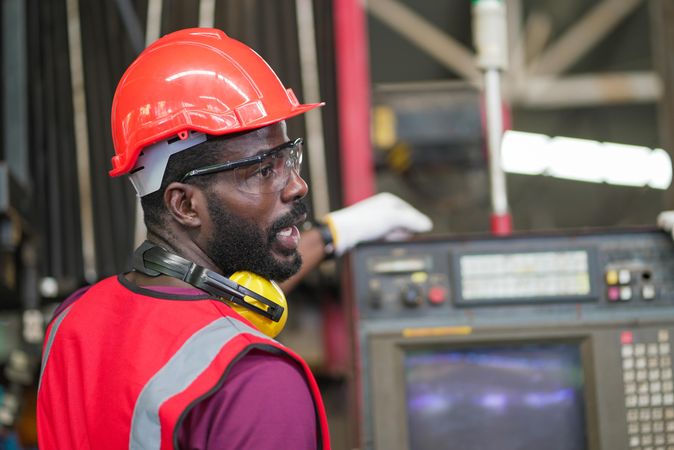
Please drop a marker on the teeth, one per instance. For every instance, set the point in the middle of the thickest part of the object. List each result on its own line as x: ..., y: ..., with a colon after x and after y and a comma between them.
x: 286, y: 232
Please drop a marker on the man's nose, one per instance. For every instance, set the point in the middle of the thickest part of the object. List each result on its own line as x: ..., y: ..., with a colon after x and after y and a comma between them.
x: 296, y: 188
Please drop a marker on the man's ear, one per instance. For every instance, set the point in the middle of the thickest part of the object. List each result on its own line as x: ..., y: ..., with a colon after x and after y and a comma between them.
x: 186, y: 204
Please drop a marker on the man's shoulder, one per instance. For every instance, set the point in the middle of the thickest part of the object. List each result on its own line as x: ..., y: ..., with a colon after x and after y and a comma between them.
x: 78, y: 294
x: 260, y: 384
x: 70, y: 300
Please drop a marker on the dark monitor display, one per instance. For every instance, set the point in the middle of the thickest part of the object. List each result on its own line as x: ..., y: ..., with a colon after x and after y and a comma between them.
x: 510, y: 397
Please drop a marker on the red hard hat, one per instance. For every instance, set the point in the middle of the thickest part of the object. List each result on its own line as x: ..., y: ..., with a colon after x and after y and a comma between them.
x: 195, y: 79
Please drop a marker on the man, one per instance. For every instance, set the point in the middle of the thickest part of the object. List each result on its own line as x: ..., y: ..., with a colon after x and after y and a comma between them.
x: 178, y: 353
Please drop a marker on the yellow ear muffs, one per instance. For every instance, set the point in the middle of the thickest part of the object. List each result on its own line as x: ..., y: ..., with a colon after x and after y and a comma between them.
x: 268, y: 289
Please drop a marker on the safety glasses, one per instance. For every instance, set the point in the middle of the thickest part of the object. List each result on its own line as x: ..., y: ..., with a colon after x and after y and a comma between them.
x: 264, y: 173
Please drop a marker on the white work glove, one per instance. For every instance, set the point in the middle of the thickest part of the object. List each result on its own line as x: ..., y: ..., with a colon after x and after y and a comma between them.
x: 380, y: 216
x: 666, y: 221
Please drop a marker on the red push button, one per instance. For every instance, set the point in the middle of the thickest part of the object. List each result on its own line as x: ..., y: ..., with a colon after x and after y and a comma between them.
x: 626, y: 337
x: 437, y: 295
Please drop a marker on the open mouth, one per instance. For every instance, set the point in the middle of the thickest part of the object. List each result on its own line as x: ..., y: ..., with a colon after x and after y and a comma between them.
x: 288, y: 238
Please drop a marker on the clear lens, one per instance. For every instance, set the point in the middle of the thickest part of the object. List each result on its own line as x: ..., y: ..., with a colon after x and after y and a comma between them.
x: 272, y: 173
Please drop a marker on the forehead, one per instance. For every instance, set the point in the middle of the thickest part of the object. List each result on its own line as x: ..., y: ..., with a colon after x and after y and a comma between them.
x: 256, y: 141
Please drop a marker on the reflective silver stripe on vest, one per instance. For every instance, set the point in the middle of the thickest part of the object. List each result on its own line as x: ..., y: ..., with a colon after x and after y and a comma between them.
x: 50, y: 341
x: 195, y: 355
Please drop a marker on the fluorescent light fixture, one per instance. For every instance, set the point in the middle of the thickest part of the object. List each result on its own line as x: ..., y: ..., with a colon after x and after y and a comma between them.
x: 575, y: 159
x: 661, y: 169
x: 627, y: 165
x: 585, y: 160
x: 524, y: 153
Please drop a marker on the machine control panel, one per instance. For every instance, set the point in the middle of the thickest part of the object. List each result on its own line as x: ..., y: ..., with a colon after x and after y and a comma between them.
x: 616, y: 269
x: 591, y: 313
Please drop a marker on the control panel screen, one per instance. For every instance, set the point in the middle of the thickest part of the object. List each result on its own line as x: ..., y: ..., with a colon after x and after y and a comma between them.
x: 524, y: 275
x: 408, y: 264
x: 496, y: 398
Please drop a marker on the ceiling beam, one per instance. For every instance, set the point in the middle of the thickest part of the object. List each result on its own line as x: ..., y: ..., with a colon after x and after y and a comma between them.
x: 583, y: 36
x: 588, y: 90
x: 429, y: 38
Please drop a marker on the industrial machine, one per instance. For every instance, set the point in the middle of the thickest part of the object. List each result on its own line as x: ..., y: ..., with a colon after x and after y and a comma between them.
x: 555, y: 341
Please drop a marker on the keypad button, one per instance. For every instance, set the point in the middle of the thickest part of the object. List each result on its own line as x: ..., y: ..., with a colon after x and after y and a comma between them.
x: 669, y: 413
x: 642, y: 388
x: 639, y: 350
x: 631, y: 401
x: 648, y: 292
x: 654, y: 375
x: 652, y: 349
x: 656, y: 413
x: 613, y: 294
x: 664, y: 348
x: 668, y: 399
x: 646, y: 439
x: 628, y: 364
x: 653, y: 363
x: 640, y: 363
x: 624, y: 276
x: 666, y: 361
x: 633, y: 428
x: 658, y: 427
x: 612, y: 277
x: 667, y: 386
x: 644, y: 400
x: 627, y: 351
x: 642, y: 375
x: 659, y: 439
x: 663, y: 335
x: 634, y: 441
x: 632, y: 415
x: 666, y: 374
x: 656, y: 400
x: 655, y: 387
x: 669, y: 426
x: 645, y: 427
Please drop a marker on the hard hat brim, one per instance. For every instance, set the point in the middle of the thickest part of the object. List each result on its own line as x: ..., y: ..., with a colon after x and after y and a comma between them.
x: 125, y: 166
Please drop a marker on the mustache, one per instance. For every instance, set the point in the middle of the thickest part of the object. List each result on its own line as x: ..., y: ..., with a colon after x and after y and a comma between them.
x: 298, y: 211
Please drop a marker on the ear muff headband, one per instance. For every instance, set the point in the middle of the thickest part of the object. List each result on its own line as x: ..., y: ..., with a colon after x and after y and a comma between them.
x: 153, y: 261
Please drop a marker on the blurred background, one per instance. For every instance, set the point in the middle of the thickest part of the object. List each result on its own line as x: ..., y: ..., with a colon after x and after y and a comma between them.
x: 405, y: 113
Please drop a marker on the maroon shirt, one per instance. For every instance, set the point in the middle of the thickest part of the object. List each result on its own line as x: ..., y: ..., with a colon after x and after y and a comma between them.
x: 264, y: 404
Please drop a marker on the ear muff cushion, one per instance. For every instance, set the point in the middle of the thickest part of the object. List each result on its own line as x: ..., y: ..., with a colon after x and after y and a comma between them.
x: 268, y: 289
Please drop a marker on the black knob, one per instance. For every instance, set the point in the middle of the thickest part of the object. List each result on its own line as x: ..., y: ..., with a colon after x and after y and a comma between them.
x: 375, y: 298
x: 412, y: 295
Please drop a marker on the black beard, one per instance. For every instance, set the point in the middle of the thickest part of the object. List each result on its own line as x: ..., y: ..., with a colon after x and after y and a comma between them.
x: 240, y: 245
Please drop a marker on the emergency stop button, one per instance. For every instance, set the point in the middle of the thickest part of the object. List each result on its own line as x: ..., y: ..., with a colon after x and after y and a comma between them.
x: 437, y: 295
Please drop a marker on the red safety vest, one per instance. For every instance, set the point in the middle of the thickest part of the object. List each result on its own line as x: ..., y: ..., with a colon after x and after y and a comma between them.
x: 121, y: 369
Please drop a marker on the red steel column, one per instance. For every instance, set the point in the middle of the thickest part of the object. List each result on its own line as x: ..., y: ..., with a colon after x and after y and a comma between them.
x: 353, y: 100
x: 357, y: 168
